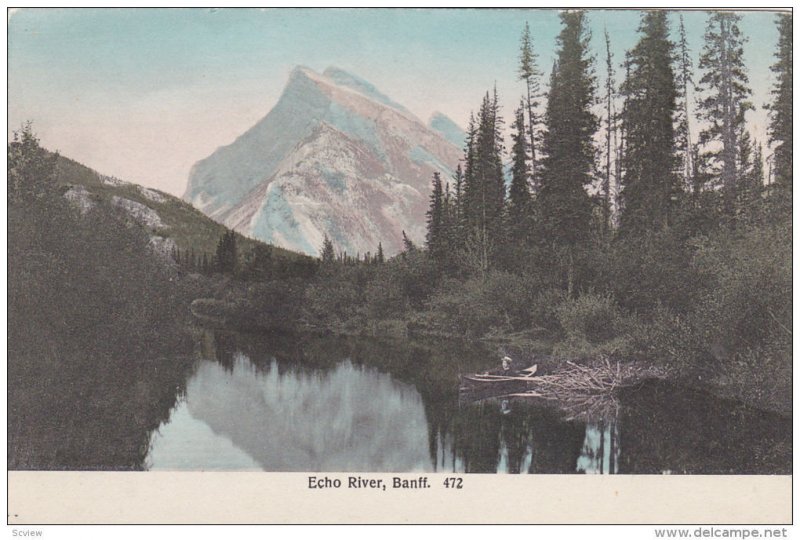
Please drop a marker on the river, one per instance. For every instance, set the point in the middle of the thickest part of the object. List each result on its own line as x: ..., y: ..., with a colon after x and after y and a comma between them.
x: 324, y: 404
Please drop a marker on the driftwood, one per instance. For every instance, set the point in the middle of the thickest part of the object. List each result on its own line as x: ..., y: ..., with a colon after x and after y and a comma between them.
x: 581, y: 391
x: 604, y: 377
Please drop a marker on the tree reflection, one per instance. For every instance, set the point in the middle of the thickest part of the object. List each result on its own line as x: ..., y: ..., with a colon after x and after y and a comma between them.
x: 345, y: 384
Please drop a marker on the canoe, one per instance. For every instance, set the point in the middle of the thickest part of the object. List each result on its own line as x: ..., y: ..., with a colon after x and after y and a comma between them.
x: 498, y: 381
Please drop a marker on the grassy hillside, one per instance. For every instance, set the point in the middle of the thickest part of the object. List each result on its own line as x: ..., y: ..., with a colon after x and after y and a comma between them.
x: 187, y: 226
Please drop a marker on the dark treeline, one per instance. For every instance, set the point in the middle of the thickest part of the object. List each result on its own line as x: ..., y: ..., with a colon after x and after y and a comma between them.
x: 97, y: 348
x: 640, y: 219
x: 259, y: 262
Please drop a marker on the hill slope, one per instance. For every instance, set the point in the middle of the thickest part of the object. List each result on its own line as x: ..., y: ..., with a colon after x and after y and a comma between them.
x: 164, y: 216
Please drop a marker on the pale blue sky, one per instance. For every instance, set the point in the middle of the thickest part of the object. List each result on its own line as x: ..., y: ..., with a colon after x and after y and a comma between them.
x: 144, y: 93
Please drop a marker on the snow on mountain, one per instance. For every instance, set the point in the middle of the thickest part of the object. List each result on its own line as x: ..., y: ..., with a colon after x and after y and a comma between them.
x: 451, y: 131
x: 334, y: 156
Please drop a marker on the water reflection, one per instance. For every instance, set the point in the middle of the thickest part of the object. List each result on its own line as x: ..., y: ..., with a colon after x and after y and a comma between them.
x: 600, y: 452
x: 350, y: 418
x: 327, y: 404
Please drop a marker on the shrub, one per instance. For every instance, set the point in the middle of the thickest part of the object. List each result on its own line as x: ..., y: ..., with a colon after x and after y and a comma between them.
x: 477, y: 307
x: 749, y: 302
x: 589, y: 316
x: 544, y: 308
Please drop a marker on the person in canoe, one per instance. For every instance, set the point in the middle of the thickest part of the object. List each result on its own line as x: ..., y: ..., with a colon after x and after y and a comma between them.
x: 507, y: 363
x: 506, y: 366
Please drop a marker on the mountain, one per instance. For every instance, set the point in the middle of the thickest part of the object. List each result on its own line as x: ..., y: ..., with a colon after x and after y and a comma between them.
x: 168, y: 221
x: 334, y: 156
x: 447, y: 128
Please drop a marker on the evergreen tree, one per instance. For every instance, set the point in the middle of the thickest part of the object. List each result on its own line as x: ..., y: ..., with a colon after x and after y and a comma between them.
x: 751, y: 177
x: 327, y: 253
x: 31, y: 168
x: 528, y: 71
x: 683, y: 80
x: 724, y: 89
x: 619, y: 150
x: 259, y: 266
x: 650, y: 187
x: 610, y: 131
x: 458, y: 184
x: 519, y: 196
x: 780, y: 127
x: 435, y: 237
x: 227, y: 256
x: 408, y: 245
x: 379, y: 258
x: 565, y: 208
x: 484, y: 184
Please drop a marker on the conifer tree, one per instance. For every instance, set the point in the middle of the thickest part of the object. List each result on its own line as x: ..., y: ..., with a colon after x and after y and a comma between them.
x: 724, y: 90
x: 379, y: 258
x: 327, y: 253
x: 780, y: 127
x: 610, y: 131
x: 565, y: 208
x: 408, y: 245
x: 227, y: 256
x: 683, y: 81
x: 751, y: 177
x: 650, y: 186
x: 484, y: 184
x: 31, y: 168
x: 458, y: 185
x: 519, y: 196
x: 435, y: 237
x: 528, y: 71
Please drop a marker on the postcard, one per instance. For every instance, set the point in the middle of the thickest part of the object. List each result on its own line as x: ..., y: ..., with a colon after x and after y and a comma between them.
x: 364, y: 265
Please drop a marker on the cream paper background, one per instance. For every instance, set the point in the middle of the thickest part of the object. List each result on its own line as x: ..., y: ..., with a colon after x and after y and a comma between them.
x: 259, y: 498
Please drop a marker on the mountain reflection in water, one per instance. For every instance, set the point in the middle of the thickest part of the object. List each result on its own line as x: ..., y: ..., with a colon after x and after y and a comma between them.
x: 350, y: 418
x: 326, y: 405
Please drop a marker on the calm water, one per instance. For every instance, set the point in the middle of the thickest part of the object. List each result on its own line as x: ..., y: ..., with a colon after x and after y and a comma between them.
x: 323, y: 404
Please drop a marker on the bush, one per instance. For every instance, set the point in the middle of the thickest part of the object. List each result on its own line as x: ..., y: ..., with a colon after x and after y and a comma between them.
x: 478, y: 307
x: 544, y: 309
x: 590, y: 316
x: 749, y: 302
x: 592, y: 325
x: 644, y: 272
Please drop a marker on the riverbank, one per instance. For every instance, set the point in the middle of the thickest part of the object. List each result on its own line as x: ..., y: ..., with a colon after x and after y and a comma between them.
x: 552, y: 351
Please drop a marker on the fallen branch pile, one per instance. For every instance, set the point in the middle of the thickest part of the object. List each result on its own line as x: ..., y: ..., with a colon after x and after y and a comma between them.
x: 587, y: 391
x: 604, y: 377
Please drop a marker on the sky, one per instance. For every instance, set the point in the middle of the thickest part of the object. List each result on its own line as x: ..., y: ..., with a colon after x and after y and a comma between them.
x: 142, y: 94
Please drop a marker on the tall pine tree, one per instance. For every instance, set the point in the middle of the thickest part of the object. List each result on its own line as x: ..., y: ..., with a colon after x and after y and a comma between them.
x: 435, y: 239
x: 519, y: 195
x: 683, y: 82
x: 610, y: 132
x: 780, y: 127
x: 751, y: 177
x: 528, y: 71
x: 650, y: 186
x: 484, y: 185
x: 724, y: 90
x: 565, y: 208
